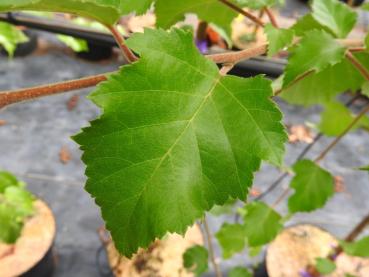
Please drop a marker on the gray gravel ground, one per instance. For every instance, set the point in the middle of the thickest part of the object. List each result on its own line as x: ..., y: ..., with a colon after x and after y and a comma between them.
x: 35, y: 132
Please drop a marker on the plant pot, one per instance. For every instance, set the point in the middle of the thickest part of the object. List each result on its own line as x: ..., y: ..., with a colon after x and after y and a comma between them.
x: 298, y: 246
x: 96, y: 52
x: 163, y: 258
x: 31, y: 255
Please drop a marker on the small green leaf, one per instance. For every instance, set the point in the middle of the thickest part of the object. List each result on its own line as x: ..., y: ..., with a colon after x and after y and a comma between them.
x: 336, y: 118
x: 322, y: 87
x: 254, y: 251
x: 278, y: 38
x: 313, y: 187
x: 195, y: 259
x: 259, y: 4
x: 365, y: 89
x: 239, y: 271
x: 325, y: 266
x: 335, y: 15
x: 358, y: 248
x: 366, y: 168
x: 10, y: 225
x: 316, y: 51
x: 232, y: 239
x: 10, y: 37
x: 21, y: 200
x: 167, y: 140
x: 308, y: 23
x: 262, y: 224
x: 77, y: 45
x: 7, y: 180
x: 105, y: 11
x: 227, y: 208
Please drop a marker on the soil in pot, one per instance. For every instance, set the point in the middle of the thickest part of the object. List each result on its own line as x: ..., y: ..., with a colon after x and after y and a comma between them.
x: 163, y: 258
x: 298, y: 246
x: 31, y: 255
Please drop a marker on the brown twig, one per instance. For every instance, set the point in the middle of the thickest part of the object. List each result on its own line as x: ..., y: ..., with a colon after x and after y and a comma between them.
x: 260, y: 16
x: 235, y: 57
x: 357, y: 49
x: 226, y: 68
x: 271, y: 17
x: 243, y: 12
x: 358, y: 65
x: 10, y: 97
x: 217, y: 270
x: 128, y: 54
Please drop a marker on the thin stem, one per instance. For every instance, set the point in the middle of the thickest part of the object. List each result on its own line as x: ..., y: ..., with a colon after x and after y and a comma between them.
x: 358, y: 229
x: 260, y: 16
x: 217, y: 270
x: 10, y: 97
x: 358, y: 65
x: 226, y: 68
x: 243, y: 12
x: 128, y: 54
x: 15, y: 96
x: 271, y: 17
x: 357, y: 49
x: 349, y: 127
x: 235, y: 57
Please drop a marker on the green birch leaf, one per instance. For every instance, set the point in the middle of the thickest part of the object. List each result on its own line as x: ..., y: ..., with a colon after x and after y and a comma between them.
x: 325, y: 266
x: 21, y: 200
x: 365, y: 89
x: 137, y: 6
x: 308, y: 23
x: 322, y: 87
x: 316, y: 51
x: 10, y: 227
x: 262, y: 224
x: 313, y: 187
x: 77, y: 45
x: 195, y: 259
x: 10, y: 37
x: 259, y: 4
x: 169, y: 12
x: 172, y: 138
x: 337, y: 16
x: 336, y: 118
x: 240, y: 271
x: 278, y: 38
x: 358, y: 248
x: 226, y: 208
x: 7, y: 180
x: 105, y: 11
x: 232, y: 239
